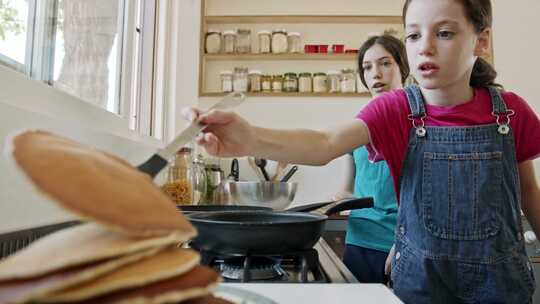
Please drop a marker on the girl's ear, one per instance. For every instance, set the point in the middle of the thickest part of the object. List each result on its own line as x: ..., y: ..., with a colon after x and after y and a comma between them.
x: 482, y: 44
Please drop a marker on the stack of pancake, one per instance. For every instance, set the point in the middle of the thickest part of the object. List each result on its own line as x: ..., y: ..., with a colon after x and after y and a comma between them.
x: 127, y: 251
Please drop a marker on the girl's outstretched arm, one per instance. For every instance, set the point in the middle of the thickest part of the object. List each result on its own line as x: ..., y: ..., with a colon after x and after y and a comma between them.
x: 530, y: 195
x: 229, y: 135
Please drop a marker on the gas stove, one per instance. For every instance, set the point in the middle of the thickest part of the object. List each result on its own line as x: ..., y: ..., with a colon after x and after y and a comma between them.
x: 317, y: 265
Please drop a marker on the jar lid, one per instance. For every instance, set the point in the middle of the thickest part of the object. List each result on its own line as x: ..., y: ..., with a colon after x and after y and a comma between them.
x: 346, y: 70
x: 213, y: 31
x: 264, y: 32
x: 255, y: 72
x: 279, y: 31
x: 319, y: 74
x: 229, y: 32
x: 225, y: 72
x: 333, y: 73
x: 305, y: 74
x: 243, y: 31
x: 293, y: 34
x: 278, y: 76
x: 290, y: 74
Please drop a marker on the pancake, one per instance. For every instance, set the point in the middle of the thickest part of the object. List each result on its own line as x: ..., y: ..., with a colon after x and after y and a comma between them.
x: 164, y: 265
x: 196, y: 283
x: 20, y: 291
x: 207, y: 300
x: 73, y: 246
x: 95, y: 185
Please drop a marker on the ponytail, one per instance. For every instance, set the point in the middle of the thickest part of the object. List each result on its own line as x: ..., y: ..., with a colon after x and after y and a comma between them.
x: 483, y: 74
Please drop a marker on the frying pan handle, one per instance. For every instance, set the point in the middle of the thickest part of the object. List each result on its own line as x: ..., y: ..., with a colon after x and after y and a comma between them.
x: 350, y: 204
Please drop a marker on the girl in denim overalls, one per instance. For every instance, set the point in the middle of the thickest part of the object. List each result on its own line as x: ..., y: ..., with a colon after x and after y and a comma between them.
x: 460, y: 151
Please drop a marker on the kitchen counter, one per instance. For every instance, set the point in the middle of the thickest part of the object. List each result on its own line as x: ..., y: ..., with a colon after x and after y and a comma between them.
x: 321, y: 293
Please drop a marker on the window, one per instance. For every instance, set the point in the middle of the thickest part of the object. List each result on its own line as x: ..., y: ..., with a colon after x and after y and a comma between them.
x: 101, y: 51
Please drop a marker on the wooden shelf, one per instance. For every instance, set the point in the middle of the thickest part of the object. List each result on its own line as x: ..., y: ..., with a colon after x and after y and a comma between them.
x: 288, y: 56
x: 292, y: 94
x: 342, y: 19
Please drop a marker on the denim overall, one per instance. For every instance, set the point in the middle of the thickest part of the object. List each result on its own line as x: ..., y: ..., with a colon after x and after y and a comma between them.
x: 459, y: 237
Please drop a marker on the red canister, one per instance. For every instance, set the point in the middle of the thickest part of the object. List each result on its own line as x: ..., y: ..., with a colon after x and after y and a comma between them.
x: 311, y: 48
x: 323, y: 48
x: 338, y: 48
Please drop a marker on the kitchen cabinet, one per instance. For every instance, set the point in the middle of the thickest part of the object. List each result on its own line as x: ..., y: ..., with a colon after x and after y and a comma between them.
x: 350, y: 30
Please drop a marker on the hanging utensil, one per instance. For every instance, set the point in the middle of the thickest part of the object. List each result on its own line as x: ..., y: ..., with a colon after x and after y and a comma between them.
x: 281, y: 166
x: 234, y: 175
x: 289, y: 174
x: 159, y: 160
x: 261, y: 163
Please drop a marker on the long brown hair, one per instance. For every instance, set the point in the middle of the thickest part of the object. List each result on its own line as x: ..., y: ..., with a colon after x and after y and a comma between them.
x: 479, y: 13
x: 393, y: 46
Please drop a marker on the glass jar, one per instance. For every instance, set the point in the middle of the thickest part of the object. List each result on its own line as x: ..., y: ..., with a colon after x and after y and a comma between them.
x: 213, y: 42
x: 334, y: 85
x: 266, y: 83
x: 265, y: 40
x: 305, y: 83
x: 229, y: 41
x: 214, y: 178
x: 226, y: 81
x: 320, y: 83
x: 348, y: 81
x: 179, y: 185
x: 255, y: 81
x: 243, y: 41
x: 277, y: 83
x: 290, y: 82
x: 199, y: 180
x: 293, y: 41
x: 240, y: 79
x: 279, y: 42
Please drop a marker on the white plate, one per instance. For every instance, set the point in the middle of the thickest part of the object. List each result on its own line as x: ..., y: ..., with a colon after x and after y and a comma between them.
x: 240, y: 296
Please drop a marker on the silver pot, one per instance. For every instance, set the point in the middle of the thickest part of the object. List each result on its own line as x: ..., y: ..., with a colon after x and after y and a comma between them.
x: 275, y: 195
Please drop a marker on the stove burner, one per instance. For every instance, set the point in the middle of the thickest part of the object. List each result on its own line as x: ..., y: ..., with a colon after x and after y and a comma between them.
x: 260, y: 268
x: 295, y: 266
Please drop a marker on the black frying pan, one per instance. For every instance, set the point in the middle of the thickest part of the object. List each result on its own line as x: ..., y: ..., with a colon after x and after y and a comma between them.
x: 265, y: 232
x: 187, y: 209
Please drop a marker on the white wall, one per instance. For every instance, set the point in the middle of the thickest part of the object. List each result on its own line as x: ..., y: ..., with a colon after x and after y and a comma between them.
x: 514, y: 30
x: 28, y: 104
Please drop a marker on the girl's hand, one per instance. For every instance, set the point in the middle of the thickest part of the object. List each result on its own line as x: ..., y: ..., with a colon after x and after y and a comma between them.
x: 388, y: 263
x: 226, y: 135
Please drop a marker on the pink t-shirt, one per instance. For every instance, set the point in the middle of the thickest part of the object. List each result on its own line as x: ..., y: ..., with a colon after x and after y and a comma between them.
x: 389, y: 127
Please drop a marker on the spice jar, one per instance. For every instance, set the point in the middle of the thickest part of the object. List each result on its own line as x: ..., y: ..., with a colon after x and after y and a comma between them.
x: 243, y: 41
x: 240, y: 79
x: 348, y: 81
x: 255, y: 81
x: 290, y: 82
x: 334, y: 85
x: 266, y: 83
x: 213, y: 42
x: 226, y: 81
x: 265, y: 40
x: 229, y: 41
x: 320, y: 83
x: 179, y: 186
x: 279, y: 41
x: 305, y: 83
x: 293, y: 40
x: 277, y: 83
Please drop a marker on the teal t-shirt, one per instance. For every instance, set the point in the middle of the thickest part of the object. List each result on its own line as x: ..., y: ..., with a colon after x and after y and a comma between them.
x: 372, y: 228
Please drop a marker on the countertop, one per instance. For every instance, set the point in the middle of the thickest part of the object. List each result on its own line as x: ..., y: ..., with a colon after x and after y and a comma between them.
x: 287, y: 293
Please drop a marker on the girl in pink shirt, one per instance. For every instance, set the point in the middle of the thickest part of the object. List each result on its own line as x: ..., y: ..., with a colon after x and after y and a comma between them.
x: 460, y: 151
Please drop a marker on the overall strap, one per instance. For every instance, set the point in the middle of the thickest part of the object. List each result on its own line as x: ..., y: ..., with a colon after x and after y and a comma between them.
x: 499, y: 110
x: 416, y: 101
x: 418, y: 109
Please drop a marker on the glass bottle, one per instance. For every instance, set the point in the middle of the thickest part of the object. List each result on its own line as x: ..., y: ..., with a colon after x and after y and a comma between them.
x: 213, y: 42
x: 266, y: 83
x: 265, y: 41
x: 226, y: 81
x: 277, y: 83
x: 293, y: 40
x: 255, y: 81
x: 334, y: 85
x: 348, y: 81
x: 199, y: 180
x: 320, y: 83
x: 279, y: 41
x: 240, y: 79
x: 290, y: 82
